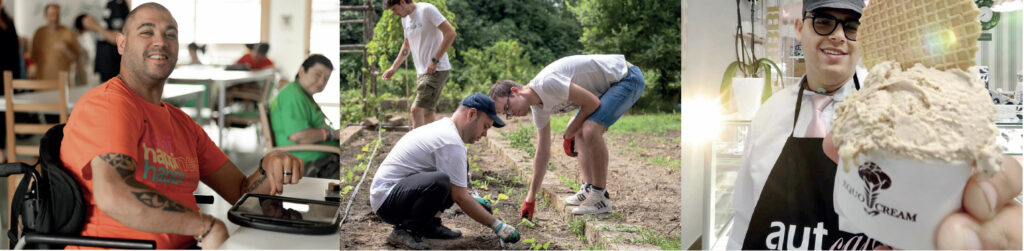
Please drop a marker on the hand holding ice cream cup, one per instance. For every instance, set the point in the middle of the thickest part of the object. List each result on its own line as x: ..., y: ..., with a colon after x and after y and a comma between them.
x: 918, y: 164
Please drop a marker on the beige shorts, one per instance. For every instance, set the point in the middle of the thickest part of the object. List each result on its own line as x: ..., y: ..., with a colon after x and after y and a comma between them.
x: 428, y: 89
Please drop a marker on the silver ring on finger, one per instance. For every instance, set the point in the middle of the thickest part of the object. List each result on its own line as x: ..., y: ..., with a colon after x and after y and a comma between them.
x: 287, y: 173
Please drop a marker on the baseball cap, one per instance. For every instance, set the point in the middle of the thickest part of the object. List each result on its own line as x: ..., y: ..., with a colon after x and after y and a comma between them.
x: 851, y: 5
x: 484, y: 104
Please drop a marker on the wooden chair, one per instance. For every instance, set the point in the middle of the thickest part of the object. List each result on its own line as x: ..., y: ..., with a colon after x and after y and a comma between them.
x: 268, y: 136
x: 249, y: 116
x: 58, y: 105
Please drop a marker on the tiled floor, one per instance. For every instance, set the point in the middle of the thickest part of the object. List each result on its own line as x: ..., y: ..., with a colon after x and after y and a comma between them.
x: 242, y: 145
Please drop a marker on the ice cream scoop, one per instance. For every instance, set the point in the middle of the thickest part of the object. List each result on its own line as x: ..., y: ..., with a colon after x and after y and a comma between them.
x: 922, y: 113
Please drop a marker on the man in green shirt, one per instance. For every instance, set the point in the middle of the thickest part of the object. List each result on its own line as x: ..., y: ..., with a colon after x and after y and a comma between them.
x: 297, y: 119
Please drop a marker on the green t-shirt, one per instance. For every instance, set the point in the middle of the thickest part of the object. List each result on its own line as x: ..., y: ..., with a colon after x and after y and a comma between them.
x: 293, y: 110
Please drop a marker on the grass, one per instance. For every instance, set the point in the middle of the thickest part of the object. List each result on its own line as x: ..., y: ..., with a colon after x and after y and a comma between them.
x: 664, y: 161
x: 650, y: 237
x: 522, y: 139
x: 577, y: 227
x: 644, y: 123
x: 575, y: 186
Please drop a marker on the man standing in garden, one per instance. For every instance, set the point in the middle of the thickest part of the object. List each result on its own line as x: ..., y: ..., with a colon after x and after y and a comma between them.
x: 426, y: 172
x: 603, y: 87
x: 428, y: 35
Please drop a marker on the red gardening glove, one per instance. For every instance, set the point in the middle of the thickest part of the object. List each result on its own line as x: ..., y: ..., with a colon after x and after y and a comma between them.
x: 526, y: 210
x: 569, y: 145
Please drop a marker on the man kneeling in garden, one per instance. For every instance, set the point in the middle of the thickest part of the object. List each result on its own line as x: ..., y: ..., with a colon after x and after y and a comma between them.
x: 603, y: 87
x: 426, y: 172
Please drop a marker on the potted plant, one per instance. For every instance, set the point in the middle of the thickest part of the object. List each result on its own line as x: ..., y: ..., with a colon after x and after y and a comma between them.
x: 757, y: 73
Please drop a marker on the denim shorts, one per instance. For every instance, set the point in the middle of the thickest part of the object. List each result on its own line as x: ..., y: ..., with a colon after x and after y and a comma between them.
x: 619, y: 98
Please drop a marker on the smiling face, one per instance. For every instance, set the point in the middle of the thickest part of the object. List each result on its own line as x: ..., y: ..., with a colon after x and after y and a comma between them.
x: 831, y: 59
x: 314, y: 79
x: 149, y: 44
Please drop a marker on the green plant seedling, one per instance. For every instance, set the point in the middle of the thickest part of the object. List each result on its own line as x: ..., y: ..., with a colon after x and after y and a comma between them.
x: 528, y: 223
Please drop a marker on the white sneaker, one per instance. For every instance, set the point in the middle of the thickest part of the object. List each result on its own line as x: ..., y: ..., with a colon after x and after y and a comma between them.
x: 594, y: 205
x: 579, y: 197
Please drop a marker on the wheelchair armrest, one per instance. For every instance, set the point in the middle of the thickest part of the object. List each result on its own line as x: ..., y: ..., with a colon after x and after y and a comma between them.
x: 35, y: 238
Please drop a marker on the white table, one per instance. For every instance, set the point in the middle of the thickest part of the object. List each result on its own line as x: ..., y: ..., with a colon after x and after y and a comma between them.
x: 171, y: 92
x: 251, y: 238
x: 222, y: 79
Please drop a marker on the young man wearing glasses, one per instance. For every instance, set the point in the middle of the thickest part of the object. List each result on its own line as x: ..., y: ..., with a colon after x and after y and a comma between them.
x: 784, y: 153
x: 785, y: 182
x: 603, y: 87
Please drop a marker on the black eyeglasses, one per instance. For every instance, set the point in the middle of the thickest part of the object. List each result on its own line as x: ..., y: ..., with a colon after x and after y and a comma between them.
x: 507, y: 116
x: 824, y: 25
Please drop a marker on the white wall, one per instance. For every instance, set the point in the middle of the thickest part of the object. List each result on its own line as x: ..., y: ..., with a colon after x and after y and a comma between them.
x: 709, y: 49
x: 287, y: 35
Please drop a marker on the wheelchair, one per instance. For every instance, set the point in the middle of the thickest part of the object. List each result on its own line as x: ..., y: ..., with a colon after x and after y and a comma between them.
x: 49, y: 207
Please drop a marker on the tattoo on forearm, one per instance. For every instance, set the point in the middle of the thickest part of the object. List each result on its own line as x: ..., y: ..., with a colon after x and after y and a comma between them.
x: 256, y: 184
x: 158, y: 201
x: 125, y: 167
x: 404, y: 52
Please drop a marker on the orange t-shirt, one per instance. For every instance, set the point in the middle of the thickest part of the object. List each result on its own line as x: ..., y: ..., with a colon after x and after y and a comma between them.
x: 171, y: 150
x: 254, y: 65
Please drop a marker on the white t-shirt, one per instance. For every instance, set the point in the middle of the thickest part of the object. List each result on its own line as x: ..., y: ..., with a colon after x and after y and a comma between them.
x: 420, y: 28
x: 87, y: 40
x: 769, y: 130
x: 434, y: 147
x: 595, y: 73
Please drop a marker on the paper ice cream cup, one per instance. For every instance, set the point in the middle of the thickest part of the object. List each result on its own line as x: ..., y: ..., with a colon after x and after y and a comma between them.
x: 899, y: 201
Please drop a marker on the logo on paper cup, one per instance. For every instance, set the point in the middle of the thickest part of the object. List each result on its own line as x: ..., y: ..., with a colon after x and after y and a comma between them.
x: 875, y: 180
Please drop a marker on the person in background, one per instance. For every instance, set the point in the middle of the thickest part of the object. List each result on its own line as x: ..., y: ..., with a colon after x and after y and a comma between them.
x: 106, y: 60
x: 87, y: 40
x: 54, y: 46
x: 28, y: 66
x: 256, y: 59
x: 193, y: 53
x: 426, y: 172
x: 428, y: 35
x: 139, y: 160
x: 298, y: 119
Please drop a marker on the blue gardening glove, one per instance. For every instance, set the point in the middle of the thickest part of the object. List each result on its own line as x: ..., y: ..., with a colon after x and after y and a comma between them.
x: 485, y: 203
x: 506, y: 232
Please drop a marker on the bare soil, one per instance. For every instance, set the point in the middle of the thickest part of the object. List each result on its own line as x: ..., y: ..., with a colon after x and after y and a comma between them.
x: 364, y: 230
x: 643, y: 180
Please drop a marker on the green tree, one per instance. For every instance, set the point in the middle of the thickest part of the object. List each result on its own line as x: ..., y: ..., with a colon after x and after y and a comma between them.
x: 545, y: 29
x: 646, y: 32
x: 505, y: 59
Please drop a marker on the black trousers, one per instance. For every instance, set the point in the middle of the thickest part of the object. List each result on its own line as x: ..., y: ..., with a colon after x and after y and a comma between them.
x: 415, y: 200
